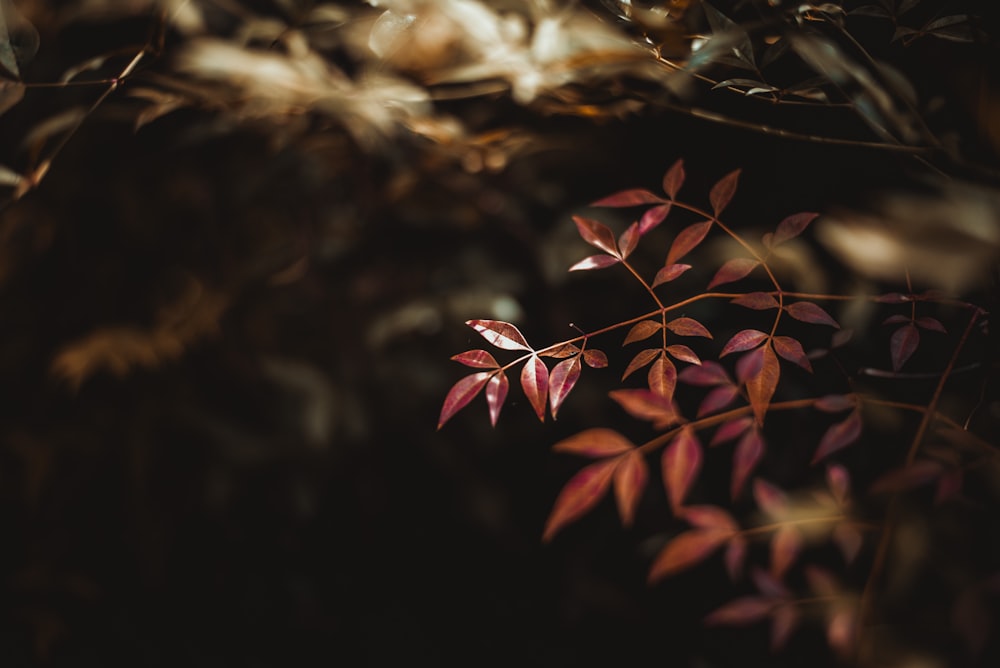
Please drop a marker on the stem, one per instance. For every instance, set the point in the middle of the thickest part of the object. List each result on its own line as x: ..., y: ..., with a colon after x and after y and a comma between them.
x: 644, y: 284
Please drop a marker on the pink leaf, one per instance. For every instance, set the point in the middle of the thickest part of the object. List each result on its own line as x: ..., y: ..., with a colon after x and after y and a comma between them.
x: 710, y: 517
x: 792, y: 351
x: 688, y: 327
x: 708, y: 374
x: 669, y: 273
x: 748, y: 453
x: 647, y: 405
x: 792, y: 227
x: 595, y: 359
x: 903, y: 344
x: 931, y: 324
x: 839, y: 482
x: 811, y: 313
x: 496, y: 393
x: 785, y: 547
x: 686, y: 550
x: 684, y: 354
x: 733, y: 270
x: 653, y: 217
x: 562, y: 379
x: 501, y: 334
x: 741, y: 611
x: 642, y: 330
x: 535, y: 383
x: 730, y: 430
x: 718, y: 399
x: 761, y: 387
x: 681, y: 462
x: 641, y: 359
x: 630, y: 478
x: 838, y: 436
x: 583, y: 491
x: 849, y: 540
x: 743, y: 340
x: 758, y: 301
x: 784, y: 619
x: 835, y: 403
x: 687, y: 240
x: 723, y: 191
x: 736, y: 553
x: 674, y: 179
x: 479, y: 359
x: 632, y: 197
x: 916, y: 474
x: 595, y: 443
x: 770, y: 499
x: 750, y: 364
x: 594, y: 262
x: 628, y: 240
x: 662, y: 377
x: 461, y: 393
x: 597, y: 235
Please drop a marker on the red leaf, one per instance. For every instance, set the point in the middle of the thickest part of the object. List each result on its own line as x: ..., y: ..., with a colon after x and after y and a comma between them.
x: 688, y: 327
x: 809, y: 312
x: 674, y: 179
x: 647, y: 405
x: 496, y: 393
x: 718, y: 399
x: 686, y: 550
x: 835, y: 403
x: 741, y: 611
x: 595, y: 359
x: 501, y: 334
x: 708, y: 374
x: 761, y: 387
x: 597, y: 235
x: 662, y: 377
x: 750, y: 364
x: 839, y: 482
x: 479, y: 359
x: 770, y: 499
x: 785, y: 547
x: 743, y: 340
x: 560, y: 352
x: 841, y: 631
x: 628, y: 240
x: 669, y: 273
x: 631, y: 476
x: 838, y: 436
x: 745, y: 458
x: 562, y: 379
x: 710, y: 517
x: 849, y: 540
x: 916, y: 474
x: 792, y: 227
x: 687, y: 240
x: 730, y: 430
x: 931, y: 324
x: 681, y: 463
x: 736, y: 553
x: 642, y: 330
x: 594, y: 262
x: 684, y: 354
x: 792, y: 351
x: 733, y: 270
x: 535, y: 383
x: 643, y: 358
x: 723, y: 191
x: 903, y: 344
x: 595, y: 443
x: 461, y: 393
x: 758, y: 301
x: 579, y: 495
x: 632, y: 197
x: 784, y: 619
x: 653, y: 217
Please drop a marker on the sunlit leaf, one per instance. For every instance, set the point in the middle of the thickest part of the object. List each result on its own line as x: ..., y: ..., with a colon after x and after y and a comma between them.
x: 653, y: 217
x: 595, y: 359
x: 747, y: 455
x: 479, y: 359
x: 684, y: 354
x: 595, y: 262
x: 839, y: 482
x: 708, y: 374
x: 496, y: 393
x: 710, y: 517
x: 632, y: 197
x: 561, y: 381
x: 688, y: 327
x: 535, y: 383
x: 743, y: 340
x: 630, y: 479
x: 723, y: 191
x: 501, y: 334
x: 647, y: 405
x: 848, y: 540
x: 741, y: 611
x: 687, y: 240
x: 681, y: 462
x: 669, y: 273
x: 792, y: 351
x: 642, y: 330
x: 727, y: 431
x: 770, y: 499
x: 759, y: 301
x: 717, y: 399
x: 583, y: 491
x: 838, y: 436
x: 595, y: 443
x: 809, y: 312
x: 785, y: 547
x: 597, y: 235
x: 643, y: 358
x: 686, y: 550
x: 662, y: 376
x: 903, y: 344
x: 736, y: 553
x: 916, y: 474
x: 461, y: 393
x: 628, y: 240
x: 674, y: 179
x: 931, y: 324
x: 792, y: 227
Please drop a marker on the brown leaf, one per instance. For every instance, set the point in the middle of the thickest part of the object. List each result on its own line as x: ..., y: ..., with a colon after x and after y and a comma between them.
x: 583, y: 491
x: 717, y: 399
x: 916, y: 474
x: 628, y: 240
x: 461, y: 393
x: 561, y: 351
x: 710, y: 517
x: 595, y: 443
x: 535, y: 383
x: 733, y: 270
x: 759, y: 301
x: 761, y: 387
x: 597, y: 235
x: 686, y: 550
x: 653, y: 217
x: 708, y: 374
x: 684, y: 354
x: 662, y: 377
x: 642, y: 330
x: 770, y: 499
x: 595, y: 359
x: 727, y: 431
x: 784, y: 619
x: 630, y: 479
x: 839, y: 482
x: 561, y: 381
x: 501, y: 334
x: 849, y: 540
x: 681, y: 462
x: 736, y: 553
x: 642, y: 358
x: 688, y: 327
x: 723, y: 191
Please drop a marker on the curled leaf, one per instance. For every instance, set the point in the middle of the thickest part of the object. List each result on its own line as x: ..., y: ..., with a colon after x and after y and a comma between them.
x: 838, y: 436
x: 535, y: 383
x: 688, y: 327
x: 686, y: 550
x: 681, y: 462
x: 461, y: 393
x: 642, y: 330
x: 501, y: 334
x: 743, y: 340
x: 630, y: 479
x: 595, y: 443
x: 733, y: 270
x: 723, y: 191
x: 562, y: 379
x: 479, y: 359
x: 811, y: 313
x: 687, y: 240
x: 597, y: 235
x: 496, y: 393
x: 583, y: 491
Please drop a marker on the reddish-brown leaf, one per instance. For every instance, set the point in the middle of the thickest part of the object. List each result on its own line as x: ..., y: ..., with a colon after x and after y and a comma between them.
x: 896, y: 319
x: 849, y: 540
x: 736, y: 553
x: 583, y: 491
x: 688, y: 327
x: 792, y: 227
x: 903, y: 344
x: 727, y: 431
x: 631, y: 197
x: 758, y: 301
x: 684, y: 354
x: 710, y: 517
x: 841, y: 630
x: 643, y: 358
x: 761, y: 387
x: 461, y: 393
x: 784, y: 619
x: 647, y: 405
x: 594, y: 262
x: 595, y: 359
x: 674, y: 179
x: 708, y: 374
x: 931, y: 324
x: 723, y: 191
x: 662, y: 376
x: 669, y: 273
x: 496, y: 393
x: 597, y: 235
x: 835, y: 403
x: 681, y: 462
x: 686, y: 550
x: 770, y: 499
x: 595, y: 443
x: 916, y: 474
x: 785, y: 547
x: 687, y: 240
x: 741, y: 611
x: 750, y: 364
x: 733, y: 270
x: 745, y: 459
x: 717, y: 399
x: 560, y: 352
x: 642, y: 330
x: 838, y: 436
x: 535, y: 383
x: 839, y: 482
x: 628, y: 240
x: 562, y: 379
x: 479, y: 359
x: 630, y: 477
x: 811, y: 313
x: 501, y: 334
x: 743, y: 340
x: 792, y: 351
x: 653, y: 217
